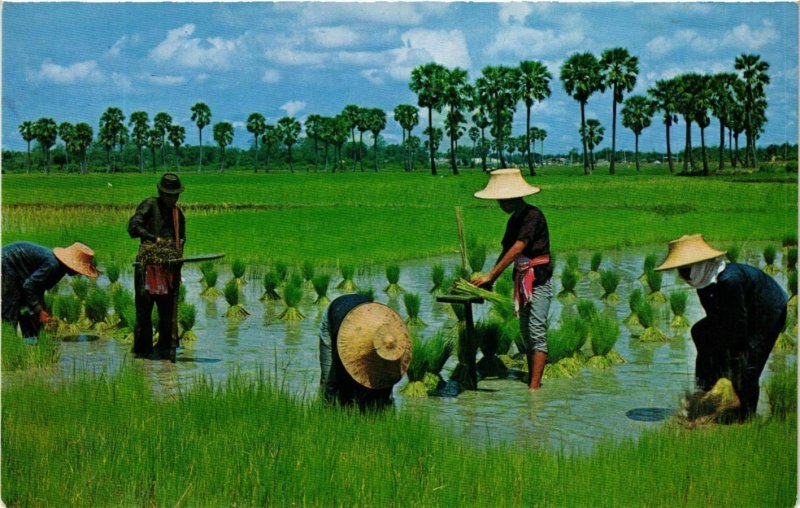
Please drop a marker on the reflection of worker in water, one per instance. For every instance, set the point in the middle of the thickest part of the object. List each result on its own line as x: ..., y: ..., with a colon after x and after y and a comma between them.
x: 745, y: 313
x: 158, y: 220
x: 526, y: 243
x: 364, y: 349
x: 29, y: 270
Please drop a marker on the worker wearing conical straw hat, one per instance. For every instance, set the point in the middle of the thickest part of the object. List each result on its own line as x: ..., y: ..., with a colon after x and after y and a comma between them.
x: 526, y: 245
x: 29, y: 270
x: 745, y: 312
x: 364, y: 349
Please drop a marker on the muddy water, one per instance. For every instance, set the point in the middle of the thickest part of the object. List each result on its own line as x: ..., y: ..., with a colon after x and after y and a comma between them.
x: 566, y: 413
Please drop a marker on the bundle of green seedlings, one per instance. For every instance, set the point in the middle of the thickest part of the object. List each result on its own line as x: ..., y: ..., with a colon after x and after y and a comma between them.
x: 647, y: 317
x: 594, y: 265
x: 564, y: 344
x: 80, y: 286
x: 18, y: 354
x: 649, y: 264
x: 604, y: 332
x: 368, y: 292
x: 654, y: 279
x: 211, y: 290
x: 393, y: 276
x: 113, y: 273
x: 96, y: 307
x: 347, y: 285
x: 587, y: 310
x: 677, y: 302
x: 157, y: 253
x: 788, y: 241
x: 238, y: 268
x: 308, y: 270
x: 321, y: 283
x: 292, y: 296
x: 125, y: 310
x: 718, y: 405
x: 464, y: 287
x: 573, y: 263
x: 609, y: 280
x: 271, y: 282
x: 632, y: 320
x: 732, y: 253
x: 504, y: 285
x: 493, y: 342
x: 466, y: 352
x: 282, y: 269
x: 791, y: 285
x: 569, y: 279
x: 437, y: 277
x: 791, y: 259
x: 412, y: 303
x: 205, y: 267
x: 782, y: 393
x: 786, y: 341
x: 770, y: 253
x: 67, y: 308
x: 296, y: 279
x: 235, y: 309
x: 187, y: 315
x: 427, y: 361
x: 476, y: 255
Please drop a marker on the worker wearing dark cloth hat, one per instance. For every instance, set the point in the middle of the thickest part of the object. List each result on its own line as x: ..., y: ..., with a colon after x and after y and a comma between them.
x: 745, y: 313
x: 29, y: 270
x: 158, y: 219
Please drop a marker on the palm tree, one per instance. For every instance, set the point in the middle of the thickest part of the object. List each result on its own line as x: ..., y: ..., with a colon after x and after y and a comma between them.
x: 688, y: 89
x: 46, y: 132
x: 162, y: 122
x: 457, y: 96
x: 664, y: 93
x: 81, y: 140
x: 154, y: 140
x: 702, y: 103
x: 636, y: 114
x: 581, y: 77
x: 312, y: 125
x: 722, y: 98
x: 496, y: 91
x: 428, y: 82
x: 255, y: 126
x: 112, y: 131
x: 26, y: 129
x: 474, y: 134
x: 736, y: 122
x: 481, y: 121
x: 534, y: 85
x: 201, y: 116
x: 408, y: 118
x: 454, y: 131
x: 534, y: 134
x: 362, y: 125
x: 753, y: 71
x: 177, y: 135
x: 223, y: 135
x: 542, y: 136
x: 413, y: 143
x: 270, y: 138
x: 434, y: 138
x: 340, y: 126
x: 375, y: 119
x: 141, y: 132
x: 351, y: 114
x: 593, y: 136
x: 619, y: 70
x: 66, y: 131
x: 289, y: 129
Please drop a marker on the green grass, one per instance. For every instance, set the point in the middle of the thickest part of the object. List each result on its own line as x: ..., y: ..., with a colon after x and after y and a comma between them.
x: 97, y: 304
x: 17, y: 355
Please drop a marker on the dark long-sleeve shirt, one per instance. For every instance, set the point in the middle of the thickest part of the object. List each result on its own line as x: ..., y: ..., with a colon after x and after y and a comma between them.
x: 31, y: 269
x: 528, y: 224
x: 152, y: 220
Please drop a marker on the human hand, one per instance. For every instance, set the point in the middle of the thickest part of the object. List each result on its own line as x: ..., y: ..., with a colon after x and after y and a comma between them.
x: 484, y: 281
x: 44, y: 317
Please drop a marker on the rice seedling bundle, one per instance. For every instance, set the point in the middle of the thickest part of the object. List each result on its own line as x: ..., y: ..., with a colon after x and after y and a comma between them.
x: 632, y: 321
x: 609, y: 280
x: 573, y: 262
x: 157, y: 253
x: 18, y: 354
x: 493, y: 340
x: 235, y: 309
x: 791, y: 285
x: 464, y: 287
x: 476, y: 256
x: 282, y: 269
x: 791, y: 259
x: 782, y: 393
x: 786, y: 341
x: 49, y: 299
x: 789, y: 240
x: 181, y: 293
x: 427, y: 360
x: 586, y: 309
x: 367, y: 292
x: 238, y: 268
x: 412, y: 304
x: 309, y: 270
x: 568, y: 339
x: 569, y: 279
x: 649, y: 263
x: 677, y: 302
x: 393, y: 276
x: 80, y: 286
x: 437, y: 277
x: 605, y: 333
x: 211, y: 290
x: 187, y: 315
x: 770, y: 253
x: 347, y: 285
x: 113, y: 273
x: 292, y: 296
x: 97, y: 304
x: 594, y: 262
x: 271, y: 282
x: 718, y: 405
x: 654, y: 279
x: 321, y: 283
x: 733, y: 253
x: 67, y: 308
x: 647, y: 317
x: 205, y: 267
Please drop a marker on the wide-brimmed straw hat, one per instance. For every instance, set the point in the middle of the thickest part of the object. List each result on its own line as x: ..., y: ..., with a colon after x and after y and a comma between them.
x: 170, y: 183
x: 506, y: 184
x: 687, y: 250
x: 77, y: 257
x: 374, y: 345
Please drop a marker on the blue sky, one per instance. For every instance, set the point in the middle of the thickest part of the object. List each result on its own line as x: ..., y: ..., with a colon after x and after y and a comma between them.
x: 70, y: 61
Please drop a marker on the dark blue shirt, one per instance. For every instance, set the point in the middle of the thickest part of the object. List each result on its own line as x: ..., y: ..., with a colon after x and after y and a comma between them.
x: 32, y: 269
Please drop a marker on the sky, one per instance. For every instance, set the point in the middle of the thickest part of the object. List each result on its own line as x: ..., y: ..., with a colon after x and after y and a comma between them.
x: 71, y: 61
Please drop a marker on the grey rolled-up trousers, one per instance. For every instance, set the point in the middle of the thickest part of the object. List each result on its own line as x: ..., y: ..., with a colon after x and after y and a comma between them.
x: 533, y: 318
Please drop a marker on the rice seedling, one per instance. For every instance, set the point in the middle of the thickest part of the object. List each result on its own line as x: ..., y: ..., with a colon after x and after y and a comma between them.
x: 238, y: 268
x: 296, y: 279
x: 321, y: 283
x: 412, y: 304
x: 17, y: 354
x: 733, y: 253
x: 67, y: 308
x: 437, y: 277
x: 492, y: 341
x: 791, y: 285
x: 187, y: 315
x: 211, y: 290
x: 789, y: 240
x: 80, y: 286
x: 157, y: 253
x: 647, y: 317
x: 649, y: 264
x: 181, y: 293
x: 587, y: 310
x: 113, y: 273
x: 573, y: 263
x: 504, y: 285
x: 791, y: 259
x: 235, y: 309
x: 677, y: 302
x: 594, y: 262
x: 569, y: 279
x: 205, y: 267
x: 427, y: 361
x: 786, y: 341
x: 393, y: 276
x: 609, y: 280
x: 309, y: 270
x: 464, y: 287
x: 292, y: 295
x: 476, y: 255
x: 782, y: 393
x: 96, y: 305
x: 347, y: 285
x: 655, y: 296
x: 125, y: 310
x: 271, y: 281
x: 770, y: 253
x: 604, y: 332
x: 563, y: 346
x: 632, y: 320
x: 282, y: 269
x: 718, y: 405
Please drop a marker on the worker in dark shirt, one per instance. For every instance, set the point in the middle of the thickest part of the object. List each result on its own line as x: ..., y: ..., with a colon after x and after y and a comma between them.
x: 158, y: 219
x: 29, y: 270
x: 745, y: 312
x: 526, y: 244
x: 364, y: 349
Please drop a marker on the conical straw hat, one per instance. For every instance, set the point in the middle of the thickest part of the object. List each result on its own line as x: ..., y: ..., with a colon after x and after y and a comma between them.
x: 374, y: 345
x: 78, y: 257
x: 687, y: 250
x: 506, y: 184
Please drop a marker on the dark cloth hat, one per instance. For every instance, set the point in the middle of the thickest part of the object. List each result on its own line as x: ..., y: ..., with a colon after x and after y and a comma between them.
x: 170, y: 184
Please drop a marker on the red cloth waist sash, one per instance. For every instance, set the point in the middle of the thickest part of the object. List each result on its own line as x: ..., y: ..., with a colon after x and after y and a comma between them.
x: 524, y: 277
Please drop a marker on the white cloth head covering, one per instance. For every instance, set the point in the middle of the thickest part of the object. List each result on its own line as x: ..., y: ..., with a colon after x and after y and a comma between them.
x: 705, y: 273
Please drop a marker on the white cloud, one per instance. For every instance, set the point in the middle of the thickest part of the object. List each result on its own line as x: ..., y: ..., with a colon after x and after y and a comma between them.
x: 448, y: 48
x: 121, y: 81
x: 212, y: 52
x: 334, y: 37
x: 743, y: 36
x: 290, y: 56
x: 270, y: 76
x: 374, y: 76
x: 318, y: 13
x: 662, y: 45
x: 166, y: 80
x: 514, y: 12
x: 238, y: 125
x: 523, y: 41
x: 65, y: 75
x: 201, y: 78
x: 293, y: 107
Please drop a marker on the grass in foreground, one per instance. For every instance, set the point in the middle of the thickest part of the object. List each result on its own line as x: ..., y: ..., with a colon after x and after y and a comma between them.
x: 244, y: 443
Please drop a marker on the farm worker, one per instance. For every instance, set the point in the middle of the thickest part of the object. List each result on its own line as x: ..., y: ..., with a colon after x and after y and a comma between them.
x: 158, y: 219
x: 364, y: 349
x: 526, y: 244
x: 29, y: 270
x: 745, y: 312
